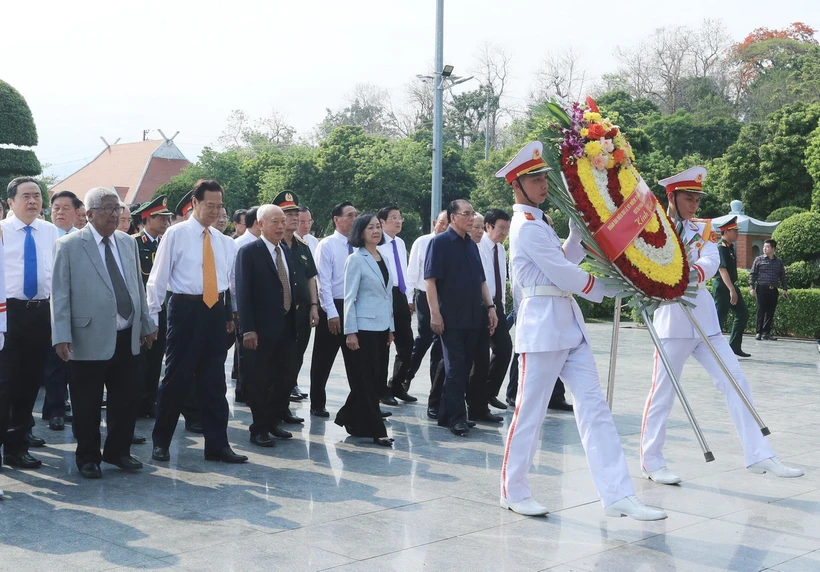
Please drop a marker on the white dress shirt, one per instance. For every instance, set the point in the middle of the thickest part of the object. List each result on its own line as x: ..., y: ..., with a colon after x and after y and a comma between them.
x: 331, y: 255
x: 387, y: 254
x: 312, y: 242
x: 178, y: 264
x: 414, y: 279
x: 246, y: 237
x: 272, y: 250
x: 122, y: 323
x: 486, y: 250
x: 14, y: 235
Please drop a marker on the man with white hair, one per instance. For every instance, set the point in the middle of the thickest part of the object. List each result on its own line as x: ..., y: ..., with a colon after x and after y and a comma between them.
x: 99, y: 321
x: 28, y: 244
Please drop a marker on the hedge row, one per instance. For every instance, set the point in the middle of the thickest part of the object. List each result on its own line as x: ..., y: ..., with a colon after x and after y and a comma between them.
x: 796, y: 316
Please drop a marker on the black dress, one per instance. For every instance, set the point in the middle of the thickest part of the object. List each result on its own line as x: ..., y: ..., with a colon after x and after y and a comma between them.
x: 361, y: 415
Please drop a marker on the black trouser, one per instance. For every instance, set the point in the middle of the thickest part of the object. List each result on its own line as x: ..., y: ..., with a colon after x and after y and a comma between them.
x: 269, y: 376
x: 120, y: 377
x: 325, y: 348
x: 502, y: 348
x: 766, y: 305
x: 424, y: 340
x: 361, y: 414
x: 403, y: 340
x: 152, y: 364
x: 459, y: 347
x: 195, y: 356
x: 303, y: 330
x: 22, y: 361
x: 55, y: 383
x: 558, y: 391
x: 477, y: 386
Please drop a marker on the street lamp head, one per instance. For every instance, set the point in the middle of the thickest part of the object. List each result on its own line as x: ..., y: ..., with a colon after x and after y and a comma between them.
x: 447, y: 71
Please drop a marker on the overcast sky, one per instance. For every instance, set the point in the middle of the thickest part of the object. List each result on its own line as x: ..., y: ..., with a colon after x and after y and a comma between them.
x: 93, y: 68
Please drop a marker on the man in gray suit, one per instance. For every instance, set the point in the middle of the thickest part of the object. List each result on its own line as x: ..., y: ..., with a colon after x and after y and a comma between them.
x: 99, y: 321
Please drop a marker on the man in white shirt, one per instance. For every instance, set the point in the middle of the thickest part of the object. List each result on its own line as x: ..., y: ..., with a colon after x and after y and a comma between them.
x: 305, y: 224
x: 494, y: 260
x: 28, y: 244
x: 194, y: 263
x: 64, y: 208
x: 415, y: 283
x: 394, y: 252
x: 331, y: 255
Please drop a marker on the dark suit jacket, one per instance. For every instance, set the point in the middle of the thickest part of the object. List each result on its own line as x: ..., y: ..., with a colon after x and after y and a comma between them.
x: 259, y: 294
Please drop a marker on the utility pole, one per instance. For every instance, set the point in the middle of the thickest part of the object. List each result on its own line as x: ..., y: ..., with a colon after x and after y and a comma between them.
x: 438, y: 122
x: 487, y: 126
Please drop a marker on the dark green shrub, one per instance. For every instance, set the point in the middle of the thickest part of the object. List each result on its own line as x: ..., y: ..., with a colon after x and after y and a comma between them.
x: 783, y: 213
x: 798, y: 237
x: 802, y: 274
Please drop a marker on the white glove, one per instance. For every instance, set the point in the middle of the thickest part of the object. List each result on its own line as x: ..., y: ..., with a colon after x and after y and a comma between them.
x: 573, y: 228
x: 575, y: 236
x: 2, y: 340
x: 611, y: 291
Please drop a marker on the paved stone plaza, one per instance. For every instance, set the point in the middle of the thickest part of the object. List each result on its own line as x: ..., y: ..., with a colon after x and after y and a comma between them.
x: 327, y: 501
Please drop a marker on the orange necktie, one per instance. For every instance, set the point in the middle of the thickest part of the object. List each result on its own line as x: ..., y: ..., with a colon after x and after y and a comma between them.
x: 210, y: 292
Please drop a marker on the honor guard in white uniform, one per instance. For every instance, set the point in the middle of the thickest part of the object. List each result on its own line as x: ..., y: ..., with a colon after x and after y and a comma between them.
x: 680, y: 340
x: 553, y: 341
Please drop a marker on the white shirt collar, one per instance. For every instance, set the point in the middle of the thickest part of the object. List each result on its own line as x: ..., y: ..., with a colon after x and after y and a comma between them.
x: 340, y: 236
x: 97, y: 236
x: 19, y: 224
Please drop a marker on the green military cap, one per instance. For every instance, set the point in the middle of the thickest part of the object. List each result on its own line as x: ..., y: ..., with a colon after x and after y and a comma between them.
x: 184, y: 205
x: 156, y: 206
x: 287, y: 201
x: 730, y: 224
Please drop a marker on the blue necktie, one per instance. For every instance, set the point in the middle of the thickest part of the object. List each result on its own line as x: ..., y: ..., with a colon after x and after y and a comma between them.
x: 402, y: 286
x: 29, y: 265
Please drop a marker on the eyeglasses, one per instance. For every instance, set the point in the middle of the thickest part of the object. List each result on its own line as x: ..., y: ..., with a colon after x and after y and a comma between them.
x: 110, y: 210
x: 396, y: 218
x: 467, y: 214
x: 306, y: 222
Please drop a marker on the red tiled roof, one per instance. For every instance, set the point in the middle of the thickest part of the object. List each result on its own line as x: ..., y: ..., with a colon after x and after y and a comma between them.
x: 130, y: 168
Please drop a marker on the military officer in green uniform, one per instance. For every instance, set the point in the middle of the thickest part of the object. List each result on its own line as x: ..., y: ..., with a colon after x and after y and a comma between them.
x: 155, y: 219
x: 727, y: 294
x: 305, y: 290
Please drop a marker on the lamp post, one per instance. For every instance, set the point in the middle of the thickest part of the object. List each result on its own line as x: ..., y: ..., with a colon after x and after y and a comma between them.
x: 438, y: 119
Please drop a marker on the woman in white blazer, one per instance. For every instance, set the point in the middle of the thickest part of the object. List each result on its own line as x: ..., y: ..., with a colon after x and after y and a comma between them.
x: 368, y: 323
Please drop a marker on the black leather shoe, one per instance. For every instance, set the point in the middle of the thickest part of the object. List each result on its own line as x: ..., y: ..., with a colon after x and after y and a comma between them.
x: 296, y: 396
x: 386, y: 413
x: 470, y: 424
x: 560, y: 406
x: 160, y: 454
x: 758, y: 337
x: 404, y: 396
x: 67, y: 406
x: 432, y: 413
x: 487, y: 418
x: 460, y: 429
x: 281, y: 433
x: 293, y: 420
x: 194, y: 427
x: 389, y: 400
x: 56, y: 424
x: 33, y: 441
x: 137, y: 439
x: 769, y: 337
x: 510, y: 402
x: 263, y: 440
x: 226, y: 455
x: 741, y: 353
x: 383, y: 441
x: 91, y: 471
x: 495, y: 402
x: 22, y: 460
x: 320, y: 412
x: 126, y: 463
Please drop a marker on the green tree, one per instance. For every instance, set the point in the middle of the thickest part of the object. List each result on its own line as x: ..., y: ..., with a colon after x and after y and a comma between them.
x: 781, y: 214
x: 16, y: 128
x: 812, y: 163
x: 681, y: 134
x: 632, y: 111
x: 798, y: 238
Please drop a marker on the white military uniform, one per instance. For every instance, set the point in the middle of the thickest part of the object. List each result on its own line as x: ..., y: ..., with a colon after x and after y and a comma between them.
x: 680, y: 340
x: 552, y: 341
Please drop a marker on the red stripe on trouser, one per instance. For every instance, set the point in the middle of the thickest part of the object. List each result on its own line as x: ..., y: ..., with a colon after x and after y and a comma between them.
x: 518, y: 401
x: 649, y: 404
